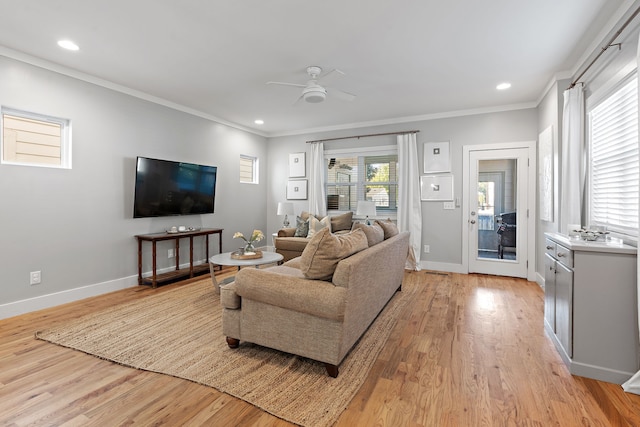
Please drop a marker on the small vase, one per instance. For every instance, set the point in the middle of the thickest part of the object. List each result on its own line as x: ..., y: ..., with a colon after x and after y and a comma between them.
x: 249, y: 247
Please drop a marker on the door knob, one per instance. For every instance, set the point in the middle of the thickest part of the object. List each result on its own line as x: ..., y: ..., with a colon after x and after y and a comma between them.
x: 473, y: 221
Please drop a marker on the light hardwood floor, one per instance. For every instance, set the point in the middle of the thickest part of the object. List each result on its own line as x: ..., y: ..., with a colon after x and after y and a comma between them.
x: 469, y: 350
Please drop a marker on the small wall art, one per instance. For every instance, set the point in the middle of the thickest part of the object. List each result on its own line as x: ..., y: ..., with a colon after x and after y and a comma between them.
x: 297, y: 189
x: 437, y: 157
x: 436, y: 188
x: 297, y: 165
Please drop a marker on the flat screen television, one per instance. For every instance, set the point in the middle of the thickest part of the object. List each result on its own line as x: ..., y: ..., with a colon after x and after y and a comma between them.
x: 167, y: 188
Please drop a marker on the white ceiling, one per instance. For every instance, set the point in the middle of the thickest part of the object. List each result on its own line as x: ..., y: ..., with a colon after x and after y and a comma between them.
x: 403, y: 59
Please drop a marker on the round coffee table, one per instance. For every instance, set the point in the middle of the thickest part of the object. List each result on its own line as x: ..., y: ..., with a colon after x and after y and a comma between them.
x: 225, y: 259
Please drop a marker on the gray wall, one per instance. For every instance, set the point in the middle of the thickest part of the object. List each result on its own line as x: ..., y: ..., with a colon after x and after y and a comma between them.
x: 76, y: 225
x: 441, y: 229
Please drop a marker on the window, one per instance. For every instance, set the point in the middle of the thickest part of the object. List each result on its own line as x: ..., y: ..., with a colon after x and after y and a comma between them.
x: 35, y: 140
x: 613, y: 155
x: 362, y: 176
x: 248, y: 169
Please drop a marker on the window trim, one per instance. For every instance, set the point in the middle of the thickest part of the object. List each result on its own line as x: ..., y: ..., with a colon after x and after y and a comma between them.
x: 380, y: 150
x: 255, y: 164
x: 65, y: 137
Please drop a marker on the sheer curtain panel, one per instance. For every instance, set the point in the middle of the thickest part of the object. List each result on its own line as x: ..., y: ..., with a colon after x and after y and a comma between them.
x: 409, y: 204
x: 573, y: 153
x: 317, y: 198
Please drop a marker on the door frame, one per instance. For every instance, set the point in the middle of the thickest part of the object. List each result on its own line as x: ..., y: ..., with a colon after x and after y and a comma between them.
x: 531, y: 200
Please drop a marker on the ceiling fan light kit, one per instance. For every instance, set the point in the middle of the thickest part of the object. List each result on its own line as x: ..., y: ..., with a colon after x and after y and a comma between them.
x: 313, y: 92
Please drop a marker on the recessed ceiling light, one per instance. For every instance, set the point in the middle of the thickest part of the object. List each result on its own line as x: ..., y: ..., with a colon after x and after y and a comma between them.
x: 258, y: 121
x: 503, y: 86
x: 68, y: 44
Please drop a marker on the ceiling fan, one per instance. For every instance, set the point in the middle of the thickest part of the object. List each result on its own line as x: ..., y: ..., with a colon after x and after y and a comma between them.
x: 313, y: 92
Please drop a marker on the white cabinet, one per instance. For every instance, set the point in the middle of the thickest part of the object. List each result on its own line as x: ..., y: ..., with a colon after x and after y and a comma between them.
x: 591, y: 307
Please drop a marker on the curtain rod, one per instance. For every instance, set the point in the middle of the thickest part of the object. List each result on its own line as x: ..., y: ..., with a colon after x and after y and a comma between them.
x: 364, y: 136
x: 607, y: 46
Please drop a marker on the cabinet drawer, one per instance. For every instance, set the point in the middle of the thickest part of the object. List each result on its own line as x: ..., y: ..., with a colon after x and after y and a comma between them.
x: 550, y: 247
x: 564, y: 255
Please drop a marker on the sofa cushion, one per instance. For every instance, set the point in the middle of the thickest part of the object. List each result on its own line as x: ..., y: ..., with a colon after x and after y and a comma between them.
x: 323, y: 252
x: 390, y: 229
x: 341, y: 222
x: 316, y: 225
x: 374, y: 232
x: 302, y: 227
x: 292, y: 243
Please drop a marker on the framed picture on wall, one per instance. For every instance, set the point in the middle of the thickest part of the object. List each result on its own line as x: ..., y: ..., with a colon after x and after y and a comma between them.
x: 437, y: 157
x: 297, y: 165
x: 436, y: 188
x: 297, y: 189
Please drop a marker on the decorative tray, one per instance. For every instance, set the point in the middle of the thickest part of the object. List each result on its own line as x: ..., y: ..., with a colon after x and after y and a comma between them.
x: 240, y: 254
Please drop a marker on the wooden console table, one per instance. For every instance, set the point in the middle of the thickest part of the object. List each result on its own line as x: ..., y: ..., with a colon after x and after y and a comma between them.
x: 179, y: 273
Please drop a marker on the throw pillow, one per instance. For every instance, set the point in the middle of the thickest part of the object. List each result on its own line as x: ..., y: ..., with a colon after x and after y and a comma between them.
x: 374, y: 232
x: 316, y: 225
x: 325, y: 250
x: 302, y: 227
x: 341, y: 222
x: 390, y: 229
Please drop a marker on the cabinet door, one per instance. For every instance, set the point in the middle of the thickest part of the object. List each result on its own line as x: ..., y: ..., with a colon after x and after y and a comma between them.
x: 564, y: 307
x: 550, y: 291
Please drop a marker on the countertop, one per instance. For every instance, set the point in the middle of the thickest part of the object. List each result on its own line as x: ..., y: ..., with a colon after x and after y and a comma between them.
x: 577, y: 244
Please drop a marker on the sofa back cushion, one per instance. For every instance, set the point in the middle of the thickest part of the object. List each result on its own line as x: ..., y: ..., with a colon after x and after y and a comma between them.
x: 374, y: 232
x: 341, y: 222
x: 323, y: 252
x: 390, y: 229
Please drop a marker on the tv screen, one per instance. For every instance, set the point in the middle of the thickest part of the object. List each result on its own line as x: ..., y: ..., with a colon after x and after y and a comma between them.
x: 166, y: 188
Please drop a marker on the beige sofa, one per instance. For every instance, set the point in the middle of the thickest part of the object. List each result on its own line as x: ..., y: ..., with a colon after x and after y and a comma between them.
x: 290, y: 243
x: 282, y: 308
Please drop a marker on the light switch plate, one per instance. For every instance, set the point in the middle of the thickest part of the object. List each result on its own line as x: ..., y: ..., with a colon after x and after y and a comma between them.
x: 449, y: 205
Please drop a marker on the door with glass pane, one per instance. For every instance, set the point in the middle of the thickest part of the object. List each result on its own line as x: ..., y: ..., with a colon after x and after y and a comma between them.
x: 498, y: 182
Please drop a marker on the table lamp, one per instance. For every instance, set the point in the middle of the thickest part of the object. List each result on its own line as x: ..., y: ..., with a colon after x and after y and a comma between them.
x: 285, y: 208
x: 366, y: 209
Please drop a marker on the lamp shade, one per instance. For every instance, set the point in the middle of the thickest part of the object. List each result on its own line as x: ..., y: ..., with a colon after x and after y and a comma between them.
x: 285, y: 208
x: 366, y: 208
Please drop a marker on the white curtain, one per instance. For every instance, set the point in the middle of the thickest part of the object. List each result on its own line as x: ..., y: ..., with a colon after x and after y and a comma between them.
x: 633, y: 384
x: 317, y: 199
x: 410, y: 206
x: 573, y: 153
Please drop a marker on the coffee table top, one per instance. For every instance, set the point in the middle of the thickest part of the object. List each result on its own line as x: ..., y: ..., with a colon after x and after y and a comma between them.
x: 225, y: 259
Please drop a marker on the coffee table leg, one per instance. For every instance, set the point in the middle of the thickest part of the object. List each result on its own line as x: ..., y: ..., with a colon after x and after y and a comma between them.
x: 212, y: 269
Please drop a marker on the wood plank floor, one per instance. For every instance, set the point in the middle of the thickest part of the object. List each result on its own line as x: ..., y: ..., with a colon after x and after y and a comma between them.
x: 470, y: 350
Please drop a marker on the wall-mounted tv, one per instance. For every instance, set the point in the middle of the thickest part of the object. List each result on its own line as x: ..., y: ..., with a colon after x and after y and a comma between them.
x: 167, y: 188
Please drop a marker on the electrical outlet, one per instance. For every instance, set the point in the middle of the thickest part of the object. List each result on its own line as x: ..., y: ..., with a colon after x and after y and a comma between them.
x: 35, y: 277
x: 426, y: 249
x: 449, y: 205
x: 171, y: 253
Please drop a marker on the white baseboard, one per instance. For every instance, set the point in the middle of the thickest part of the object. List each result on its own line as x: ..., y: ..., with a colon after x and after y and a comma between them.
x: 41, y: 302
x: 17, y: 308
x: 442, y: 266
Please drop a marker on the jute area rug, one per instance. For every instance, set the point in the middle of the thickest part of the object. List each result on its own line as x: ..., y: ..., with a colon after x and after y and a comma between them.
x: 179, y: 333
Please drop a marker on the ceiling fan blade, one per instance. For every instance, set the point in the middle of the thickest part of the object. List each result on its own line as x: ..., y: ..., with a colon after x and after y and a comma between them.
x: 330, y: 75
x: 345, y: 96
x: 286, y: 84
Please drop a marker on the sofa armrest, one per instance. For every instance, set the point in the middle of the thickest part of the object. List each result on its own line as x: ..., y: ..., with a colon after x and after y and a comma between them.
x: 314, y: 297
x: 286, y: 232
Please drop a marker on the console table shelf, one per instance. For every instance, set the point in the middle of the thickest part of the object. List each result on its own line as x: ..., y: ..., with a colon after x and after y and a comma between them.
x: 178, y: 273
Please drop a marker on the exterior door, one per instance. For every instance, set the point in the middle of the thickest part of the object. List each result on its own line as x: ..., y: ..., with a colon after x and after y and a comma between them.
x: 497, y: 211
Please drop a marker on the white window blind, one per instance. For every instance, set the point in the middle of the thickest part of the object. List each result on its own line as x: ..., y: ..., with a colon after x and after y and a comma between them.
x: 613, y: 126
x: 248, y: 169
